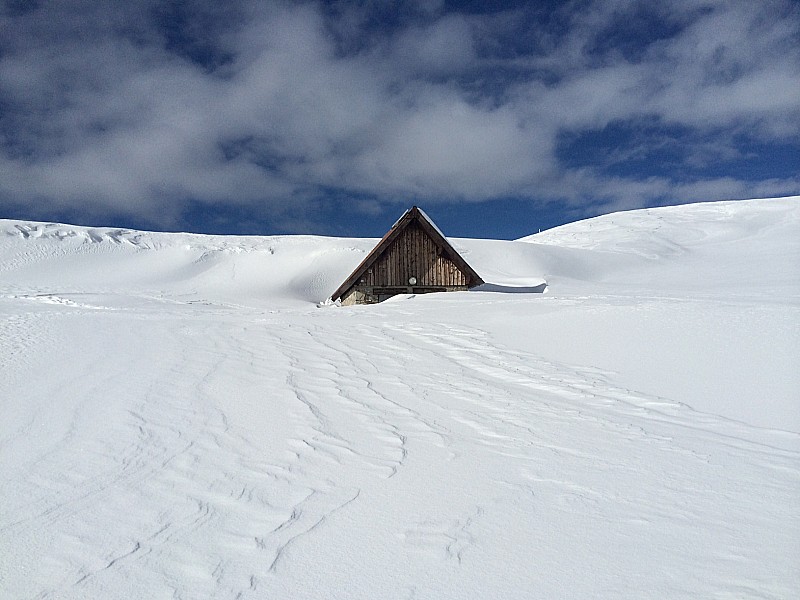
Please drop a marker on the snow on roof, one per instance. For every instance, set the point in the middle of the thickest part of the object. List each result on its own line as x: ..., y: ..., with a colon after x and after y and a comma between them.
x: 427, y: 218
x: 424, y: 215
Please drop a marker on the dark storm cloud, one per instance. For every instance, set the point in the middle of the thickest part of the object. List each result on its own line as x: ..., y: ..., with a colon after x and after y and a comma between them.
x: 141, y: 107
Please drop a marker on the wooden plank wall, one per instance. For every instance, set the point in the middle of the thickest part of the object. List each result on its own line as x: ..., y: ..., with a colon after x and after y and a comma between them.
x: 414, y: 254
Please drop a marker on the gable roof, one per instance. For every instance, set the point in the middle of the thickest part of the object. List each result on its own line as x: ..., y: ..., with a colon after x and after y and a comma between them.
x: 412, y: 215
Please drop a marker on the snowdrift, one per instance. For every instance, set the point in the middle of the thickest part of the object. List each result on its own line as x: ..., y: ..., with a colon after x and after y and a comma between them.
x: 180, y: 419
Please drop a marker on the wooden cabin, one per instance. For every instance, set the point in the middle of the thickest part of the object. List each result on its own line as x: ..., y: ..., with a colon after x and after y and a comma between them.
x: 413, y: 257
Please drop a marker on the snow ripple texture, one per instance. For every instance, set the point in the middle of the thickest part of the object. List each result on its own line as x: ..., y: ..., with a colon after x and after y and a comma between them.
x: 164, y: 437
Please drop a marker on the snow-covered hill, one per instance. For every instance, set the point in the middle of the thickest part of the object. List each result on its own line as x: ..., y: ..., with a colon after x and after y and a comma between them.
x: 180, y: 419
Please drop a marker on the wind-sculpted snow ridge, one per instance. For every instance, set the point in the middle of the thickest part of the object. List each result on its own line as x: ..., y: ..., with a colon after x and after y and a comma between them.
x: 172, y: 428
x: 673, y: 229
x: 275, y: 269
x: 74, y: 259
x: 737, y: 247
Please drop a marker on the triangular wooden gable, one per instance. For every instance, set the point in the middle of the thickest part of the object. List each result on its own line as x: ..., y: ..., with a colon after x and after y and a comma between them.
x: 413, y: 216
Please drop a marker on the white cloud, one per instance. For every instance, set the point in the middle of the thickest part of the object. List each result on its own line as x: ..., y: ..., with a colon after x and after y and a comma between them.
x: 101, y: 105
x: 444, y: 46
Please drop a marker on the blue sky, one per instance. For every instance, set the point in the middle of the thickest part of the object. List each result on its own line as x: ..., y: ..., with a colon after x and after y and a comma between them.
x: 498, y: 118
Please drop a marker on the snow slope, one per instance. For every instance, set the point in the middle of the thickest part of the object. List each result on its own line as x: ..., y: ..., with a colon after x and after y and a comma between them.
x: 180, y: 419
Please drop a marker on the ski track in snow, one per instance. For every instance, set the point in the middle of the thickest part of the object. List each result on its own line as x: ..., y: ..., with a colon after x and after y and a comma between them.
x: 165, y: 444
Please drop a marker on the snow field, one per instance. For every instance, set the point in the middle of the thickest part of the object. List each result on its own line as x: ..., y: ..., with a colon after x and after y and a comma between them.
x: 186, y: 427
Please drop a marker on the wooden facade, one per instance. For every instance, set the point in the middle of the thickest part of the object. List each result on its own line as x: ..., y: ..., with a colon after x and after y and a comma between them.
x: 412, y: 258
